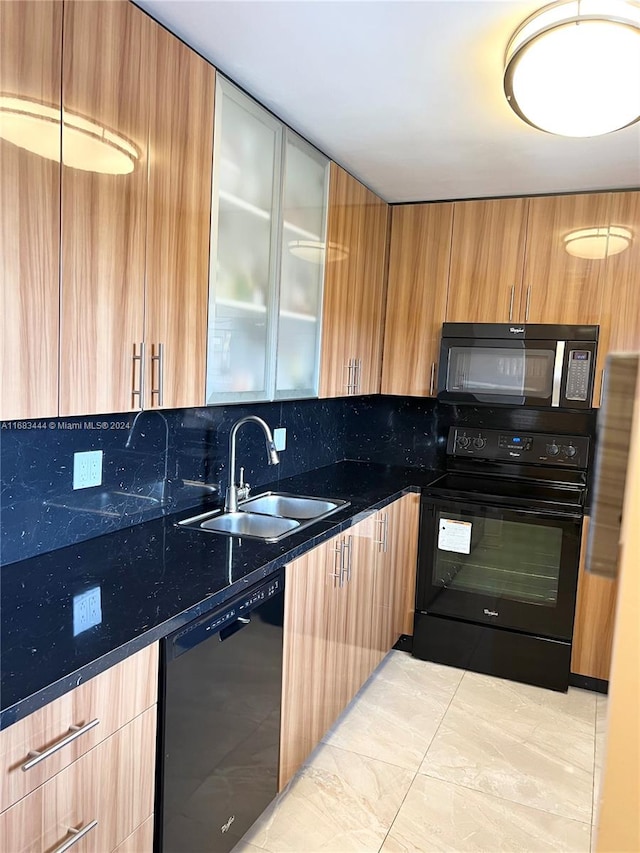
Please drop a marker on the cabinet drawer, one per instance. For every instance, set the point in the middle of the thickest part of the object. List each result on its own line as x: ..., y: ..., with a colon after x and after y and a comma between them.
x: 111, y: 786
x: 113, y: 698
x: 140, y: 840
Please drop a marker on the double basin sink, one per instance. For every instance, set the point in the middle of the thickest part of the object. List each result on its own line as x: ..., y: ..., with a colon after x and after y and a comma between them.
x: 268, y: 517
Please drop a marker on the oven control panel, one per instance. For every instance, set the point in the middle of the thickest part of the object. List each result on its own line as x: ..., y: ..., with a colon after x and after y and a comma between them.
x: 527, y: 447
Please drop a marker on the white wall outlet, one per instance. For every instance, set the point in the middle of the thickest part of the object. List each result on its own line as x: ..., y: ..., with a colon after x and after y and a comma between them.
x: 87, y: 610
x: 280, y: 438
x: 87, y: 469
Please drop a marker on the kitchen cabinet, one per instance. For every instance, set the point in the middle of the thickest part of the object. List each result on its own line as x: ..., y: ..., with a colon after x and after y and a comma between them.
x: 621, y: 274
x: 346, y: 604
x: 267, y: 253
x: 419, y: 259
x: 30, y: 68
x: 354, y: 290
x: 101, y: 779
x: 487, y: 257
x: 135, y: 219
x: 594, y: 620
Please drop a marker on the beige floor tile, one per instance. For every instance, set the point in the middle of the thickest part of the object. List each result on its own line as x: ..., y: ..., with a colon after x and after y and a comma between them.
x: 522, y: 743
x: 340, y: 802
x: 396, y: 714
x: 440, y: 816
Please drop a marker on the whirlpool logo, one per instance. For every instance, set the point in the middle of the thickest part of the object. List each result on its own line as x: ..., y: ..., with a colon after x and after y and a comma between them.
x: 225, y: 826
x: 516, y: 330
x: 490, y: 612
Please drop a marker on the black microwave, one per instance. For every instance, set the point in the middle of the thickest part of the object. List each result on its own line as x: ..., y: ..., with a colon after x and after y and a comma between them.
x: 541, y: 365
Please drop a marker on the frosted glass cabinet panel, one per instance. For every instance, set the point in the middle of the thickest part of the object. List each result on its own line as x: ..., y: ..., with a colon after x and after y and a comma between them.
x: 304, y: 211
x: 246, y: 182
x: 267, y: 256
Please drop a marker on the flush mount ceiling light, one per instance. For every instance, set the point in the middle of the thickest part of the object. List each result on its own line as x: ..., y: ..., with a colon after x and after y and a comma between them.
x: 573, y: 67
x: 598, y: 243
x: 314, y: 251
x: 86, y: 145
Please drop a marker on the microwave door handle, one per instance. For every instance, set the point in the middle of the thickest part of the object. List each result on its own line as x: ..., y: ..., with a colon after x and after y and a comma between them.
x: 557, y: 374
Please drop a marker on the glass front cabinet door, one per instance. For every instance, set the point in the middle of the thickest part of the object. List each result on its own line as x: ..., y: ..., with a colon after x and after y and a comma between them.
x: 267, y: 256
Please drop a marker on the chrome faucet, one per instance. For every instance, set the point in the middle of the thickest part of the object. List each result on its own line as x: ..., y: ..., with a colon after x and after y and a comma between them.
x: 128, y: 443
x: 242, y: 490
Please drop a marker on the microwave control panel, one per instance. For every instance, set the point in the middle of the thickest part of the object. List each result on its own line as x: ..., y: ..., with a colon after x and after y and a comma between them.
x: 578, y: 375
x: 513, y: 446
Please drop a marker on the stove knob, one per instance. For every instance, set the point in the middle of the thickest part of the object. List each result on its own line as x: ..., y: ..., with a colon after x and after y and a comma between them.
x: 463, y: 441
x: 570, y: 451
x: 479, y: 442
x: 553, y: 449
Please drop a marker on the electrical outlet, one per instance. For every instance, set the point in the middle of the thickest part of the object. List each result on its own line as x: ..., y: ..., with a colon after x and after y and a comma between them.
x: 87, y: 610
x: 280, y: 438
x: 87, y: 469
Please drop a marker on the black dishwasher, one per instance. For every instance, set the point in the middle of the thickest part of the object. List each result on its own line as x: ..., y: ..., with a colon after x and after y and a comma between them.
x: 219, y: 722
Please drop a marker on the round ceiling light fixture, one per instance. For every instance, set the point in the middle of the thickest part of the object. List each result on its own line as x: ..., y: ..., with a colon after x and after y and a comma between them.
x: 573, y: 67
x: 596, y: 244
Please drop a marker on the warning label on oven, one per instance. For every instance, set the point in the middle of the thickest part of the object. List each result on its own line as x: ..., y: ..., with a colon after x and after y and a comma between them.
x: 455, y: 536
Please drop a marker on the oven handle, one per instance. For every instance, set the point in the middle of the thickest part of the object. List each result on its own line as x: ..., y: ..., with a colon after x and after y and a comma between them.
x: 432, y: 503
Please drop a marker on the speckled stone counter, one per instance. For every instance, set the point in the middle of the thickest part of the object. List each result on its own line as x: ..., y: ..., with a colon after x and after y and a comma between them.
x: 153, y: 578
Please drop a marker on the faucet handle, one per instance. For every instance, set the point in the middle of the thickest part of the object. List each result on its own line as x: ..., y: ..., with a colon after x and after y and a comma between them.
x: 243, y: 488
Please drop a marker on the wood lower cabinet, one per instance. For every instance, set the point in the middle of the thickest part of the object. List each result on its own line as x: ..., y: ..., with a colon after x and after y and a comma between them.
x: 487, y: 257
x: 100, y: 779
x: 354, y: 288
x: 594, y: 620
x: 419, y: 258
x: 345, y: 606
x: 30, y: 67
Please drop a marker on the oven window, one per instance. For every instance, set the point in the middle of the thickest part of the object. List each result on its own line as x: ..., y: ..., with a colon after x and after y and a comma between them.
x: 491, y: 556
x: 500, y: 370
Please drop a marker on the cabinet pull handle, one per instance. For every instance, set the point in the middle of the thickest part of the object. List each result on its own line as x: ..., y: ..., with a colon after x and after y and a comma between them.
x: 159, y: 360
x: 528, y: 306
x: 137, y: 392
x: 75, y: 732
x: 358, y: 375
x: 513, y: 293
x: 76, y: 835
x: 336, y: 574
x: 433, y: 378
x: 383, y: 521
x: 349, y: 385
x: 345, y: 566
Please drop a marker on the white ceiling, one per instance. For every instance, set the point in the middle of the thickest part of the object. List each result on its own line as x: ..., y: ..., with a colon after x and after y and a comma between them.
x: 407, y: 95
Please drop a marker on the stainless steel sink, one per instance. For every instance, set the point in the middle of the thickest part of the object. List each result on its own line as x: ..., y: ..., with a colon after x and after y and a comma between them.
x: 268, y: 517
x: 267, y: 527
x: 290, y: 506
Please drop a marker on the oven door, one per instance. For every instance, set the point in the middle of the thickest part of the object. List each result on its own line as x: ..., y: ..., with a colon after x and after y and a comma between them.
x: 503, y: 372
x: 515, y: 569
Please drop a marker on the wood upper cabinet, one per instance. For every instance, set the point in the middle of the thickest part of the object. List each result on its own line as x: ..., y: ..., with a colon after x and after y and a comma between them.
x: 135, y: 218
x: 178, y: 214
x: 354, y: 287
x: 594, y: 620
x: 487, y: 256
x: 622, y: 276
x: 106, y: 80
x: 30, y: 67
x: 419, y: 259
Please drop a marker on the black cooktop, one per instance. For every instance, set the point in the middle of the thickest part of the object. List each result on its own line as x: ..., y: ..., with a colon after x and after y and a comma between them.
x: 516, y: 492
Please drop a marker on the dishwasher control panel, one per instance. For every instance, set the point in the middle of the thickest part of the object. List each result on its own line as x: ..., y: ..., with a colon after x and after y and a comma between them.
x: 513, y: 446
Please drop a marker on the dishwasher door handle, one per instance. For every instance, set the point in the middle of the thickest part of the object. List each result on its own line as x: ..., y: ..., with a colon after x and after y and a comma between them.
x: 240, y: 623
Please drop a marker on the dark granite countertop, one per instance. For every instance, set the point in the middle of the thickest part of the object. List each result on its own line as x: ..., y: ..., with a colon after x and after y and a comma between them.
x: 153, y: 578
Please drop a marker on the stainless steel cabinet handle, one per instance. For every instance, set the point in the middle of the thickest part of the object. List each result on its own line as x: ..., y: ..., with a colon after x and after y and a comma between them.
x: 383, y: 521
x: 137, y: 392
x: 346, y: 560
x: 75, y: 732
x: 336, y: 574
x: 528, y: 306
x: 349, y: 385
x: 513, y: 293
x: 159, y: 360
x: 77, y: 835
x: 433, y: 378
x: 358, y: 375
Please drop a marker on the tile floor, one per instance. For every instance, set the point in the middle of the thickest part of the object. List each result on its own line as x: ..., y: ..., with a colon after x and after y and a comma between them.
x: 430, y: 758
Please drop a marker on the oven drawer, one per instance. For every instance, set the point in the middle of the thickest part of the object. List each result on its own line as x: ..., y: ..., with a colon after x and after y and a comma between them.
x: 491, y: 565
